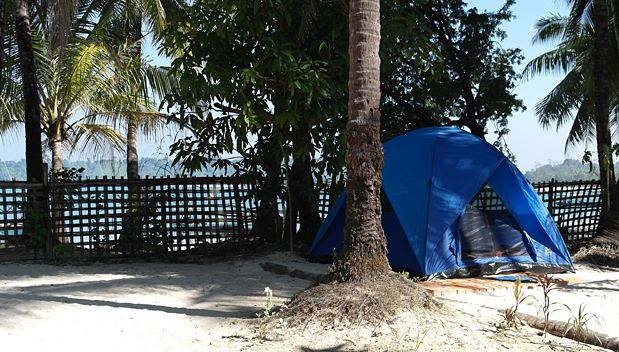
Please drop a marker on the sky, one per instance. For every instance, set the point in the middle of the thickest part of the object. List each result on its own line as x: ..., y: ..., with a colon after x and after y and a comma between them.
x: 531, y: 144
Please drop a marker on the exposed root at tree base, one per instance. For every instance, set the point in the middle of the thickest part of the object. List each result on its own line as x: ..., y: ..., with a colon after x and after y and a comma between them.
x: 340, y: 304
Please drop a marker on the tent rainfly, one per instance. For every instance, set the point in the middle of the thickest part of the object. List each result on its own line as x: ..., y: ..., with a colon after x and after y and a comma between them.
x: 434, y: 221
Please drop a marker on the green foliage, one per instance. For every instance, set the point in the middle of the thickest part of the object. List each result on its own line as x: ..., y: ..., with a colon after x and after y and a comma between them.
x: 259, y: 77
x: 466, y: 79
x: 266, y: 316
x: 510, y: 315
x: 572, y: 100
x: 548, y: 284
x: 66, y: 253
x: 34, y: 218
x: 579, y: 323
x: 66, y: 175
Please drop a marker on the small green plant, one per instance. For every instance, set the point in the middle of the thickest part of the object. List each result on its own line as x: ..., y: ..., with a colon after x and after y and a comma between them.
x: 548, y: 284
x: 67, y: 253
x: 264, y: 328
x: 510, y: 315
x: 155, y: 241
x: 98, y: 240
x: 34, y: 217
x: 578, y: 324
x: 72, y: 174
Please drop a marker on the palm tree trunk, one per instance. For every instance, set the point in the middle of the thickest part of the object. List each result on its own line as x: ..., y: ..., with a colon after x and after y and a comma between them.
x: 32, y: 112
x: 34, y: 157
x: 603, y: 133
x: 364, y: 255
x: 132, y: 150
x: 133, y: 166
x: 2, y: 27
x: 55, y: 145
x: 58, y: 206
x: 614, y: 4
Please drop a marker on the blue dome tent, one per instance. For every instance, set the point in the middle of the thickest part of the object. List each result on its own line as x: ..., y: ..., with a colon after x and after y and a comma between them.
x: 432, y: 218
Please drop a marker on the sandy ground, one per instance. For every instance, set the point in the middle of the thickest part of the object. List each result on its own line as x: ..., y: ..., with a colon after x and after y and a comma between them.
x: 211, y: 307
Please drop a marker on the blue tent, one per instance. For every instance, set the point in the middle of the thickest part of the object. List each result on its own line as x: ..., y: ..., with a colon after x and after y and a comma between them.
x: 432, y: 217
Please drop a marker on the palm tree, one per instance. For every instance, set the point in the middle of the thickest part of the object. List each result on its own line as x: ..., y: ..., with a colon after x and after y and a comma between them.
x: 141, y: 83
x: 132, y: 15
x: 571, y: 99
x: 364, y: 255
x: 591, y: 88
x: 88, y: 87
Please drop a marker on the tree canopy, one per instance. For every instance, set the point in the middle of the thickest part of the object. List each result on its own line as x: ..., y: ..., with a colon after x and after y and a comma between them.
x: 467, y: 80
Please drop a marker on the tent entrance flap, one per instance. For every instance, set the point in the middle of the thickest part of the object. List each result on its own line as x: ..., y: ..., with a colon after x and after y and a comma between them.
x: 490, y: 233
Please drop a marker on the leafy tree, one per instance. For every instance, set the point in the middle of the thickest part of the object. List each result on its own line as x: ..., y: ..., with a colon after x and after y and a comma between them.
x: 467, y: 80
x: 272, y: 88
x: 266, y: 78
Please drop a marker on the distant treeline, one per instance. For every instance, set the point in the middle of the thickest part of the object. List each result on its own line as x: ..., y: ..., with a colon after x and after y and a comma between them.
x: 152, y: 167
x: 569, y: 170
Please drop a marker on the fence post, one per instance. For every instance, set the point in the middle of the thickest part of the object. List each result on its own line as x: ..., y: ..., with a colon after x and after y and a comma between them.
x: 551, y: 196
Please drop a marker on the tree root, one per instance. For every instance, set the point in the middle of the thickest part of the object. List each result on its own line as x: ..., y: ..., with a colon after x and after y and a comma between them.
x: 558, y: 328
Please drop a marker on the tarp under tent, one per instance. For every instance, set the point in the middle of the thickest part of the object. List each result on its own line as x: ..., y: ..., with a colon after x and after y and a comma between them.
x: 434, y: 218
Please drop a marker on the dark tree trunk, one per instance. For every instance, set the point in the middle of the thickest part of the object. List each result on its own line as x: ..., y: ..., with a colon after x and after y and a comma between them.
x: 303, y: 193
x: 133, y: 166
x: 608, y: 230
x: 34, y: 157
x: 2, y: 27
x: 32, y: 112
x: 603, y: 133
x: 364, y: 255
x: 305, y: 201
x: 269, y: 224
x: 615, y: 10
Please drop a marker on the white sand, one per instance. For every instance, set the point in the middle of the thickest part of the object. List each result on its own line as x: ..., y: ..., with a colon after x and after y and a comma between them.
x: 193, y: 307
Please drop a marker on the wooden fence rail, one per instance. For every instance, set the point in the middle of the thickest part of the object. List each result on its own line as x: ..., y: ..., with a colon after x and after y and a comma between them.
x: 104, y: 218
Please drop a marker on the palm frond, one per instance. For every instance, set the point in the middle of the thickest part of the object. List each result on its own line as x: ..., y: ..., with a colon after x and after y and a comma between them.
x: 560, y: 59
x: 557, y: 106
x: 583, y: 127
x: 549, y: 29
x: 96, y: 140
